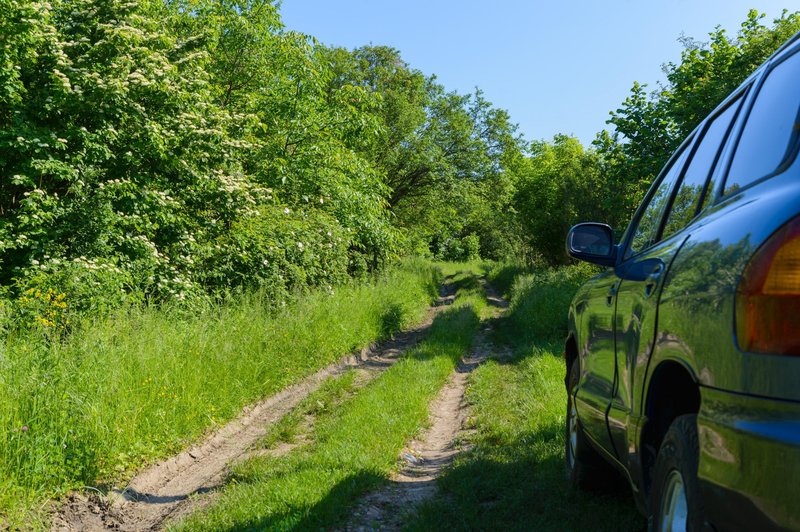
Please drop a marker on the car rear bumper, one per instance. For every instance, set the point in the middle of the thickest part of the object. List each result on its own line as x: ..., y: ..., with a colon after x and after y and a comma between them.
x: 749, y: 466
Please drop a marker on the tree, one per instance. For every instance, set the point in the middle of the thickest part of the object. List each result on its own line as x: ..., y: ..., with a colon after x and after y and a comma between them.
x: 562, y: 185
x: 649, y: 127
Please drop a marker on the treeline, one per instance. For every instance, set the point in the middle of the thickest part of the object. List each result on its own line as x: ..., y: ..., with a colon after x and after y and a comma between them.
x: 565, y: 183
x: 187, y: 149
x: 161, y: 150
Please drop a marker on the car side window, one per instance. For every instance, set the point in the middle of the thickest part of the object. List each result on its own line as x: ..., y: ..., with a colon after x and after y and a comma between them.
x: 771, y: 133
x: 686, y: 203
x: 646, y: 232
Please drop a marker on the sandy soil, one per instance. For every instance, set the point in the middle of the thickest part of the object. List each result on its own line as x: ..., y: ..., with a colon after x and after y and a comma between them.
x: 186, y: 482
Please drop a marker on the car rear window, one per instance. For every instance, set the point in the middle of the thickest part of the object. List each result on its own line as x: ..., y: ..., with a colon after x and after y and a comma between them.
x: 649, y: 223
x: 686, y: 203
x: 770, y: 135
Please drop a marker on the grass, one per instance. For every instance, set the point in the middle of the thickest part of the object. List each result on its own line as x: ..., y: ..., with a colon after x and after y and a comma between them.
x: 539, y: 301
x: 331, y: 393
x: 353, y: 447
x: 513, y: 478
x: 142, y: 384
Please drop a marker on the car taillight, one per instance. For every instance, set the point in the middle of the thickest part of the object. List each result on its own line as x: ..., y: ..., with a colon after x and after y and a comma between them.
x: 768, y: 297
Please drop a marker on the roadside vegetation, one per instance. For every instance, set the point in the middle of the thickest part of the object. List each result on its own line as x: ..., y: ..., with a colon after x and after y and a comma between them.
x: 513, y: 477
x: 199, y: 207
x: 143, y: 383
x: 355, y: 446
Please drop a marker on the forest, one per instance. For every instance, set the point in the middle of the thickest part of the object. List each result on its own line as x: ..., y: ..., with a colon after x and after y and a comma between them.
x: 194, y: 167
x: 187, y: 150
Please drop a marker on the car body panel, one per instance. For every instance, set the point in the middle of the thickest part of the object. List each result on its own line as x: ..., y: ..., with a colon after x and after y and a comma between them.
x: 597, y: 370
x: 698, y: 298
x: 675, y: 303
x: 635, y: 334
x: 749, y: 454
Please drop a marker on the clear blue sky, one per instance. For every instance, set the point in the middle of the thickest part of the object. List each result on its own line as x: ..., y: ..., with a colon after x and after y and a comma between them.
x: 557, y: 67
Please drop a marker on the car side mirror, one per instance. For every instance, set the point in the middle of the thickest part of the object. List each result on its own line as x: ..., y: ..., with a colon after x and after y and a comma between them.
x: 592, y: 242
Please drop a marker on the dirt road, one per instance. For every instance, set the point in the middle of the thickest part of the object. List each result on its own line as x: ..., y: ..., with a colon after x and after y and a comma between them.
x: 426, y: 458
x: 187, y: 481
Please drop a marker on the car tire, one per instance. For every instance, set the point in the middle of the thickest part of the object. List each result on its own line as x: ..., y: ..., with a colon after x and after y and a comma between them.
x: 585, y: 468
x: 674, y: 499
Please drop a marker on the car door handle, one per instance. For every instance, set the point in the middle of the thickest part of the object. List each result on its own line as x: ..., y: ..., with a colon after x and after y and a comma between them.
x: 652, y: 280
x: 611, y: 293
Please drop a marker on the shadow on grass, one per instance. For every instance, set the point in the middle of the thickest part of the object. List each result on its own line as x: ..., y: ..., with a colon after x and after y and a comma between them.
x: 317, y: 516
x: 463, y: 282
x: 509, y: 487
x: 513, y: 478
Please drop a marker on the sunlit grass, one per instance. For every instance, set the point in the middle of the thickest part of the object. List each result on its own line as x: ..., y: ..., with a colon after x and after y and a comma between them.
x: 144, y: 383
x: 539, y: 301
x: 353, y: 448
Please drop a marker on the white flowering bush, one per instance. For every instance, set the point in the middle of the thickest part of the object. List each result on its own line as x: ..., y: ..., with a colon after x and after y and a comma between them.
x: 144, y: 162
x: 55, y: 291
x: 279, y: 250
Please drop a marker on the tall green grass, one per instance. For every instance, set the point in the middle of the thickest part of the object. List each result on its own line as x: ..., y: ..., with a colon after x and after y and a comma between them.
x: 143, y: 383
x: 539, y: 300
x: 353, y: 448
x: 513, y: 478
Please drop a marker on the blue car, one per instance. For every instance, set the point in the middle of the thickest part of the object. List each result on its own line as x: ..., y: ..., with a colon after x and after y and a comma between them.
x: 683, y: 355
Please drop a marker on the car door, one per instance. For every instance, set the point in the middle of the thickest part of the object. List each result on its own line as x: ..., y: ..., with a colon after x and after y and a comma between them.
x: 598, y: 365
x: 658, y: 237
x: 598, y: 302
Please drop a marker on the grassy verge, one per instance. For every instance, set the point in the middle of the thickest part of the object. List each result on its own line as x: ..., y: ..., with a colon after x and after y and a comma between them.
x: 513, y: 479
x: 292, y: 428
x: 539, y: 301
x: 142, y: 384
x: 353, y: 447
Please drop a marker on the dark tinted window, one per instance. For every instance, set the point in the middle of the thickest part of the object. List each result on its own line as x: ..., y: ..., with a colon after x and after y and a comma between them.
x: 686, y: 202
x: 772, y: 128
x: 647, y: 228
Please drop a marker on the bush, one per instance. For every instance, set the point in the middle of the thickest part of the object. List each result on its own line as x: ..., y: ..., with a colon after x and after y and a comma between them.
x: 53, y: 293
x: 455, y: 249
x: 279, y: 251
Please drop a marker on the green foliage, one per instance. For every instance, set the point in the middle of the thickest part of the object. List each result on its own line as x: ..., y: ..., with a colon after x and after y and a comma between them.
x: 170, y: 375
x: 82, y: 287
x: 280, y: 250
x: 561, y: 183
x: 560, y: 186
x: 454, y: 249
x: 164, y: 139
x: 649, y: 127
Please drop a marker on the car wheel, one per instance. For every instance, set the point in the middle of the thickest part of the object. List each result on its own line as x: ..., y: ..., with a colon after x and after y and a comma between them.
x: 584, y: 467
x: 675, y: 504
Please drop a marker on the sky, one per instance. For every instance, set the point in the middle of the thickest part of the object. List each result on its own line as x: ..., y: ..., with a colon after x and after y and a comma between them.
x: 556, y: 67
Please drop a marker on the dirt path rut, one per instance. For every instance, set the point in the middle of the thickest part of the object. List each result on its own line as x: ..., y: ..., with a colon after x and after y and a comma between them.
x: 183, y: 483
x: 424, y: 459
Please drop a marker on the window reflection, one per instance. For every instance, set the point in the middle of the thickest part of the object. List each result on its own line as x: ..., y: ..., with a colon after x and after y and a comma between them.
x: 647, y: 229
x: 687, y: 200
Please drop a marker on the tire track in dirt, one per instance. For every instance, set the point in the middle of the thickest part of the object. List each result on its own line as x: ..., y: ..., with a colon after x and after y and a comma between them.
x: 186, y: 482
x: 425, y: 458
